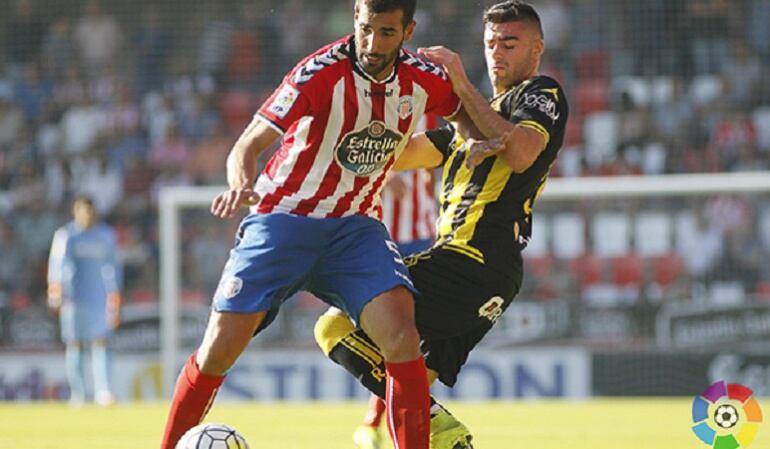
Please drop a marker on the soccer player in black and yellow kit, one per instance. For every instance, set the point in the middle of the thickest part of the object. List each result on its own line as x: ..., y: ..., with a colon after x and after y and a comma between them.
x: 474, y: 270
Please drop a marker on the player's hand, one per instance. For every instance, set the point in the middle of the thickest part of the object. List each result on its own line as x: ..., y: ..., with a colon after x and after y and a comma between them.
x: 481, y: 149
x: 227, y: 203
x: 113, y: 310
x: 446, y: 57
x: 55, y: 297
x: 396, y: 186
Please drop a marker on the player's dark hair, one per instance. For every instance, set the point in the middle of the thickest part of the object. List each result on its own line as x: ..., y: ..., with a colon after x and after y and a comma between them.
x: 83, y: 199
x: 377, y: 6
x: 513, y: 11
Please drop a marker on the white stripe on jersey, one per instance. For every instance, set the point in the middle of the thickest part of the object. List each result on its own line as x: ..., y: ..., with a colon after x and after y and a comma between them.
x: 325, y: 156
x: 267, y: 186
x: 347, y: 178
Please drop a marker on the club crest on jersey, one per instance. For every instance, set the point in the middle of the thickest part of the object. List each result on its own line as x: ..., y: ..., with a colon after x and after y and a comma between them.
x: 231, y: 287
x: 368, y: 149
x: 492, y: 309
x: 405, y: 107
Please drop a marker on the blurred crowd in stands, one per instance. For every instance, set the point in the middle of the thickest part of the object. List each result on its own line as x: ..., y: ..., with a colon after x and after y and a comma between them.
x: 118, y: 99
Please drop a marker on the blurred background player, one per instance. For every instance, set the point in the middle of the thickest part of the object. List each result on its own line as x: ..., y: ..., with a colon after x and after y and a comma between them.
x: 347, y: 111
x: 84, y: 289
x: 473, y: 272
x: 409, y: 208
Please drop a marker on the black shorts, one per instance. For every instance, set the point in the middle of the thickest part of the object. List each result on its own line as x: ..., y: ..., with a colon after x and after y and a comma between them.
x: 459, y: 300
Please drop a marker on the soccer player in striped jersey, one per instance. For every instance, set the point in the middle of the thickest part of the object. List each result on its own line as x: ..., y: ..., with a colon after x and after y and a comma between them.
x: 474, y: 270
x: 344, y: 113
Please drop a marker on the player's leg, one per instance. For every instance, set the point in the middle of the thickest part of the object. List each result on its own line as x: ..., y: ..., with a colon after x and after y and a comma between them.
x: 255, y: 281
x: 367, y: 435
x: 227, y: 335
x: 352, y: 349
x: 73, y: 332
x: 389, y: 320
x: 73, y: 360
x: 362, y: 273
x: 100, y: 367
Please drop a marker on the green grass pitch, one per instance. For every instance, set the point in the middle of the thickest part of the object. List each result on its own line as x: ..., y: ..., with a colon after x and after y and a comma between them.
x: 592, y: 424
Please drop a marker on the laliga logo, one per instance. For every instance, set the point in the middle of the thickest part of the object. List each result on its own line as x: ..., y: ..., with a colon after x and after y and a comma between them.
x: 726, y: 416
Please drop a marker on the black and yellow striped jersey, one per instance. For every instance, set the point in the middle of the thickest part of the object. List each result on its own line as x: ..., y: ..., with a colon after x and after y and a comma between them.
x: 486, y: 212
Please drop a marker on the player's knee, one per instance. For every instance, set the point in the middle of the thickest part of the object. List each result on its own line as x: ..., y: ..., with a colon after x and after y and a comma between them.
x: 401, y: 343
x: 330, y: 329
x: 213, y: 363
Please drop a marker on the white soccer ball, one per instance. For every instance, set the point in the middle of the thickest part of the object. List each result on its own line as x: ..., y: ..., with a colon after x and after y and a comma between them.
x: 212, y: 436
x: 726, y: 416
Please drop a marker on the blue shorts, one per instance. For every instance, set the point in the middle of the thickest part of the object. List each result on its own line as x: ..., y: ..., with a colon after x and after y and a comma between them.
x: 346, y: 262
x: 415, y: 246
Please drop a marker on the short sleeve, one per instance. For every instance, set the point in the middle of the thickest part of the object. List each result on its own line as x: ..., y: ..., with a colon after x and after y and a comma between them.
x: 442, y: 101
x: 288, y: 103
x: 540, y: 106
x: 442, y: 139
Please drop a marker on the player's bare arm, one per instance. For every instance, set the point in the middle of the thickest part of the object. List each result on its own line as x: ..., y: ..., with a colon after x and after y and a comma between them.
x: 242, y: 169
x: 419, y: 153
x: 522, y: 145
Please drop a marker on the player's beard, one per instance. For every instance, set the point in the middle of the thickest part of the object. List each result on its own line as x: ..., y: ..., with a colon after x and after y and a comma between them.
x: 381, y: 63
x: 517, y: 74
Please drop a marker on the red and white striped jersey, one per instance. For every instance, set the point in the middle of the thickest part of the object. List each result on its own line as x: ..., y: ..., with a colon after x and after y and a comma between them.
x: 343, y: 130
x: 412, y: 216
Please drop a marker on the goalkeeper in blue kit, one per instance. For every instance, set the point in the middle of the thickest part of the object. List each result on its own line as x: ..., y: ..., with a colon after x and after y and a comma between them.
x: 84, y: 278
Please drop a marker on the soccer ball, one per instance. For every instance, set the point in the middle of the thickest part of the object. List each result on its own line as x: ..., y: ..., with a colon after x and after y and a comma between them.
x: 726, y: 416
x: 212, y: 436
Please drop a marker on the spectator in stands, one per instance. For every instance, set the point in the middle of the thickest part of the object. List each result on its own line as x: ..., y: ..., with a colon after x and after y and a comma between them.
x: 32, y: 93
x: 302, y: 18
x: 708, y: 26
x: 759, y: 32
x: 24, y: 32
x: 742, y: 73
x: 743, y: 260
x: 208, y: 155
x: 198, y: 119
x: 154, y: 44
x: 82, y: 124
x: 98, y: 37
x: 215, y: 39
x: 13, y: 263
x: 99, y: 181
x: 556, y: 20
x: 59, y: 51
x: 701, y: 247
x: 11, y: 118
x: 171, y: 151
x: 245, y: 59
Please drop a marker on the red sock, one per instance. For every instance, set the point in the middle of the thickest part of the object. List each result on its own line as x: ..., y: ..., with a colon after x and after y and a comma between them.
x: 408, y: 404
x: 374, y: 414
x: 193, y: 395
